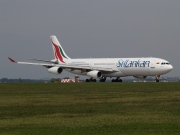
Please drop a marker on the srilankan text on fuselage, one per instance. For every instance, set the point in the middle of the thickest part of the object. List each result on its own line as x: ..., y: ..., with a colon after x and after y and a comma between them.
x: 133, y: 63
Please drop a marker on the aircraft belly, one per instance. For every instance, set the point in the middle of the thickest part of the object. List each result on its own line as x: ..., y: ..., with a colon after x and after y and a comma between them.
x: 135, y: 71
x: 128, y: 71
x: 113, y: 74
x: 76, y: 71
x: 157, y: 71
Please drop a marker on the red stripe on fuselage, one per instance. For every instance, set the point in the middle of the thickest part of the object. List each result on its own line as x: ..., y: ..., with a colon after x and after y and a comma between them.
x: 57, y: 53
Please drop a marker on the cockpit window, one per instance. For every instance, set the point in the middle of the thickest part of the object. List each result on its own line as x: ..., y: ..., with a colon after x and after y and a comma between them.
x: 165, y: 63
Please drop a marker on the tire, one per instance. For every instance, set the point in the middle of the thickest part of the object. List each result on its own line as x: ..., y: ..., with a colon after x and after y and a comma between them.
x: 120, y: 80
x: 87, y: 80
x: 102, y: 80
x: 157, y: 80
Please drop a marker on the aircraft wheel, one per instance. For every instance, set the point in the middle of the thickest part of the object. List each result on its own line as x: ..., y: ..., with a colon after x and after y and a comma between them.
x: 157, y: 80
x: 120, y: 80
x: 115, y: 80
x: 102, y: 80
x: 87, y: 80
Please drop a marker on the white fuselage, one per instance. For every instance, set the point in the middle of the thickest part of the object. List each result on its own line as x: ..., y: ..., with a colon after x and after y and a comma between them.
x: 123, y: 66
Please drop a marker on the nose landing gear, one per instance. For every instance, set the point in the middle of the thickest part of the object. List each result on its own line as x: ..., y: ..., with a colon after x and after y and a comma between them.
x: 157, y: 78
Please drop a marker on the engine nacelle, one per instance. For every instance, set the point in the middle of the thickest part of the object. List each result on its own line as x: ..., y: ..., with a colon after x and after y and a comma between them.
x: 55, y: 70
x: 94, y: 74
x: 140, y: 77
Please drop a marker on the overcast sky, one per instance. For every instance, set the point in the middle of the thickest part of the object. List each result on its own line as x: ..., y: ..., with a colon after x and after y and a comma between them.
x: 87, y: 28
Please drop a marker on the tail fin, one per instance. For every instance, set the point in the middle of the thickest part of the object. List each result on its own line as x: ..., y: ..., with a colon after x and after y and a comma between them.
x: 59, y: 53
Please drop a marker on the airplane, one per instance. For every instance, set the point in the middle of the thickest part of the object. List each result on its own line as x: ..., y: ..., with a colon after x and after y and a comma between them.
x: 101, y: 68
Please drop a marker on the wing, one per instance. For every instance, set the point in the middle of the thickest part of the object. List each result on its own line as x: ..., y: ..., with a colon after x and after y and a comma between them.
x: 29, y: 63
x: 48, y: 65
x: 50, y: 61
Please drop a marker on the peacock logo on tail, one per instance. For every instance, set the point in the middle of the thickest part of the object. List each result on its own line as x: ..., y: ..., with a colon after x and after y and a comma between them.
x: 59, y: 53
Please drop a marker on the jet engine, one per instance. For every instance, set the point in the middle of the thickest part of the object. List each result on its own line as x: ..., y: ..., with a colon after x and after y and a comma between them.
x: 55, y: 70
x: 94, y: 74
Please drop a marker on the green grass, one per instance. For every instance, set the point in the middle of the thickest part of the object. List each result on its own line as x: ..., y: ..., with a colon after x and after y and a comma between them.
x: 90, y: 108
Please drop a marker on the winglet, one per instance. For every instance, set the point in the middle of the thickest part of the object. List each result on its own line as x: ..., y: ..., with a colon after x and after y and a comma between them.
x: 11, y: 60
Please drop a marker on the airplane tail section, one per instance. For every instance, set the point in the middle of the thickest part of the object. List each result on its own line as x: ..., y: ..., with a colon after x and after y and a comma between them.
x: 59, y: 53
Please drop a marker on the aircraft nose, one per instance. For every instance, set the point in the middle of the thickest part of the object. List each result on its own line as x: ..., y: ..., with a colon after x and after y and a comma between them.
x: 170, y: 67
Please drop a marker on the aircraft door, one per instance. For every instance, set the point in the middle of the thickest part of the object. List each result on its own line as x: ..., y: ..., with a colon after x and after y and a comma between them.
x: 152, y: 65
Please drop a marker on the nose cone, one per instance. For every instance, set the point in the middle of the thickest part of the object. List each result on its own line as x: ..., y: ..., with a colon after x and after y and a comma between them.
x: 170, y: 67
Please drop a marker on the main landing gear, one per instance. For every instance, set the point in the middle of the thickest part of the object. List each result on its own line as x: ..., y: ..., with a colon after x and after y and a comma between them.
x: 117, y: 80
x: 91, y: 80
x: 157, y: 78
x: 103, y: 79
